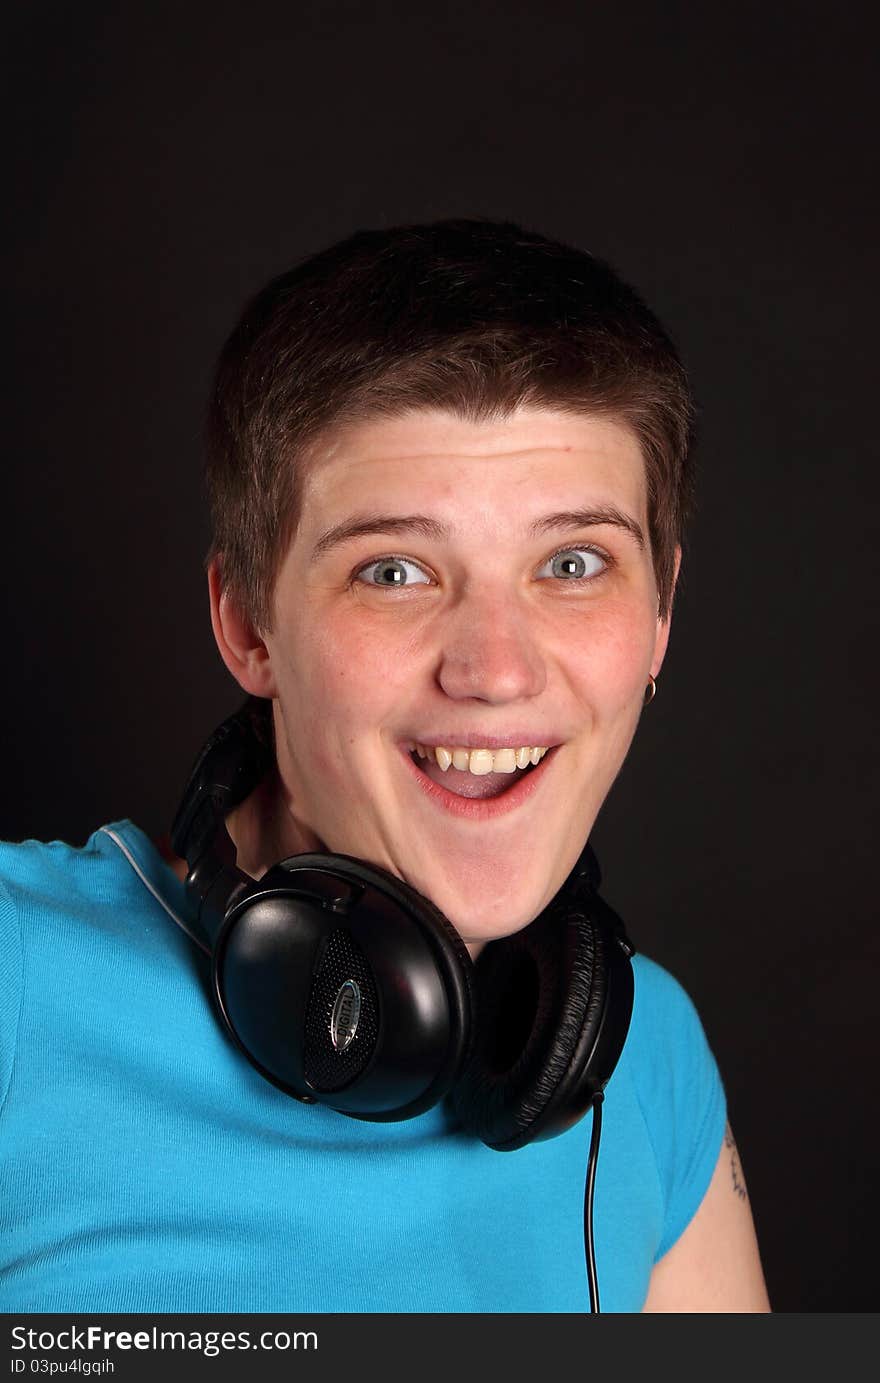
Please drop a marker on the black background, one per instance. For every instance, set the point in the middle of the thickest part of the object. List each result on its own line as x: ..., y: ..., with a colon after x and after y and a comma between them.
x: 165, y: 160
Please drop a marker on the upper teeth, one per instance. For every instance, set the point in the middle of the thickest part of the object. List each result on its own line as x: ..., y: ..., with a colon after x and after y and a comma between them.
x: 480, y: 761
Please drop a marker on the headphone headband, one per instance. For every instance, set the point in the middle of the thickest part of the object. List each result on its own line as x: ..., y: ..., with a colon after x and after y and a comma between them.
x: 229, y: 766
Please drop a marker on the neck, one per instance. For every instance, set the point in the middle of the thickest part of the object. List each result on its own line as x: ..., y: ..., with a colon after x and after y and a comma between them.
x: 264, y: 829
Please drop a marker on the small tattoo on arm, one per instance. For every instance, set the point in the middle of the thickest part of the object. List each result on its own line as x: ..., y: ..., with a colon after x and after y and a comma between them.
x: 739, y: 1184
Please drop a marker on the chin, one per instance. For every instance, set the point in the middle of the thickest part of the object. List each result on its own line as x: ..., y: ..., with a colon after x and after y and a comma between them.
x: 488, y: 917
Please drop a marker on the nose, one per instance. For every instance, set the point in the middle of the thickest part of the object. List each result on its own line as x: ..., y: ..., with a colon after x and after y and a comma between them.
x: 489, y: 652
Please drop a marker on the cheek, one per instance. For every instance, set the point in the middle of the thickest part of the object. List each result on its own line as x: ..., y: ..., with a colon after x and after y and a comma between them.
x: 610, y: 653
x: 337, y: 680
x: 355, y: 653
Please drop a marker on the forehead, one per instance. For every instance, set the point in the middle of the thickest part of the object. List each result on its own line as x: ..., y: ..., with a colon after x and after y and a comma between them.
x: 534, y: 457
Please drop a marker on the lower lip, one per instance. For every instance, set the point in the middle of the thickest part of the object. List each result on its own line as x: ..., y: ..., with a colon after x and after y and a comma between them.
x: 482, y: 808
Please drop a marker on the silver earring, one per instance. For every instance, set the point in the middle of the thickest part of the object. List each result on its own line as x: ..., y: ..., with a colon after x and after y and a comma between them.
x: 650, y: 690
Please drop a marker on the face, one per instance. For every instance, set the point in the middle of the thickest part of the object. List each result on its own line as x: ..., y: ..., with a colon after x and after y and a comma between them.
x: 458, y: 595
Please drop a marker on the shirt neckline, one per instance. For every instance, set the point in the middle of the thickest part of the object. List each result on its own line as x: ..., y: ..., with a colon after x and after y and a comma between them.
x: 156, y: 875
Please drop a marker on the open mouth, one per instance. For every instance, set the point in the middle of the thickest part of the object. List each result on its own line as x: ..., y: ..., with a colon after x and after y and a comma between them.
x: 480, y: 795
x: 486, y: 782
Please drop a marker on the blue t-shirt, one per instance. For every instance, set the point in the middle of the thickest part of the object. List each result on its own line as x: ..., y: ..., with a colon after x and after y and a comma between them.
x: 147, y: 1167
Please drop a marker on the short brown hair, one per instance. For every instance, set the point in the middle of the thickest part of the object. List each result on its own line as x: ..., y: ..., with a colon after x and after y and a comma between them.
x: 474, y: 317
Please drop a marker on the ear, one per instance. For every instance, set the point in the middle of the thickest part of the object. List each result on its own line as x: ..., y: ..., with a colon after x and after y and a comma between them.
x: 241, y: 647
x: 663, y: 623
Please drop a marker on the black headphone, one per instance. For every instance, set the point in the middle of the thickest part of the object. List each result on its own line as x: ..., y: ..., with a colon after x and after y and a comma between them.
x: 344, y: 986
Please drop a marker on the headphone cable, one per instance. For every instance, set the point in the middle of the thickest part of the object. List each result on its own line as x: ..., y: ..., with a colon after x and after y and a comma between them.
x: 589, y: 1246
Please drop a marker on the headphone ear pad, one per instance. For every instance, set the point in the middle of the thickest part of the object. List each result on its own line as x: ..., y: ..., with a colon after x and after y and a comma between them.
x: 317, y: 929
x: 541, y: 1005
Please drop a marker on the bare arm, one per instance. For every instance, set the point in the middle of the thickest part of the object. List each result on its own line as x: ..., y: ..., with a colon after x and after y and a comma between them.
x: 715, y: 1265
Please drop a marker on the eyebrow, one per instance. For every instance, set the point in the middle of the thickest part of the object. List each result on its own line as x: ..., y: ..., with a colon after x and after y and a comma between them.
x: 362, y: 525
x: 590, y: 518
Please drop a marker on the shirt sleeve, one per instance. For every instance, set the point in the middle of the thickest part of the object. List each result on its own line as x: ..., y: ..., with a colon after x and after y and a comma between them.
x: 681, y: 1095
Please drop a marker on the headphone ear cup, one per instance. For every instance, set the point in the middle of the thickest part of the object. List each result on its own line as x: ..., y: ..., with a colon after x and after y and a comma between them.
x: 343, y: 985
x: 553, y: 1007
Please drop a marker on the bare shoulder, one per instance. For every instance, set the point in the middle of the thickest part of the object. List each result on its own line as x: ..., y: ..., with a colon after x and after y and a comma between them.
x: 715, y: 1265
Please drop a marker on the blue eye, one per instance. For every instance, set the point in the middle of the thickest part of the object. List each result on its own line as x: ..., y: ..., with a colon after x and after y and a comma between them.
x: 392, y: 573
x: 574, y: 564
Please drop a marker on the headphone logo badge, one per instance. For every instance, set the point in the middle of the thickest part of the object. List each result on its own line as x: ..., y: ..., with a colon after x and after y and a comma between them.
x: 345, y: 1015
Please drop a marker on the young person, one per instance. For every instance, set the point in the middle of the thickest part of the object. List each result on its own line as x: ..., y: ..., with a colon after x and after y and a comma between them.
x: 449, y: 473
